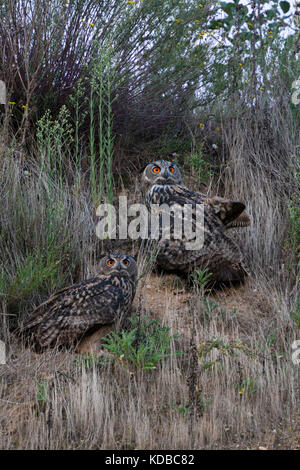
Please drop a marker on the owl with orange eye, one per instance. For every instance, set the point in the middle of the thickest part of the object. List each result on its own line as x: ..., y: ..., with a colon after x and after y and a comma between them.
x: 71, y: 313
x: 220, y: 253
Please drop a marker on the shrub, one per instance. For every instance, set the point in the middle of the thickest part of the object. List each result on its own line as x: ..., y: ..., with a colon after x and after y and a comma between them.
x: 144, y: 346
x: 52, y: 45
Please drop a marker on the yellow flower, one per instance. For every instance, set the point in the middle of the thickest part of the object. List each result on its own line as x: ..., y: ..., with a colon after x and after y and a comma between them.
x: 12, y: 102
x: 201, y: 125
x: 240, y: 64
x: 177, y: 20
x: 25, y: 106
x: 92, y: 24
x: 262, y: 88
x: 197, y: 21
x: 200, y: 5
x: 131, y: 2
x: 249, y: 23
x: 246, y: 82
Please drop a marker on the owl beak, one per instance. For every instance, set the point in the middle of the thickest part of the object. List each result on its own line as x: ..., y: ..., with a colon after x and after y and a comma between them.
x: 165, y: 174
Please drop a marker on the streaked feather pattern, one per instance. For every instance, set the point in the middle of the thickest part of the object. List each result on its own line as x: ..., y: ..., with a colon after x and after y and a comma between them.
x: 220, y: 251
x: 73, y: 311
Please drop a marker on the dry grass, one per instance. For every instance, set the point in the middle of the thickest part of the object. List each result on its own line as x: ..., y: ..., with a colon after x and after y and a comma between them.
x: 260, y: 157
x: 110, y: 406
x: 243, y: 393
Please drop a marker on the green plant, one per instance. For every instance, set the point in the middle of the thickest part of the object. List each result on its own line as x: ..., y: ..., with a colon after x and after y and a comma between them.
x: 54, y: 137
x: 226, y: 349
x: 172, y: 142
x: 248, y: 386
x: 181, y: 409
x: 252, y: 32
x: 293, y: 242
x: 185, y: 411
x: 200, y: 277
x: 32, y: 274
x: 144, y: 346
x: 89, y: 360
x: 77, y: 104
x: 209, y: 309
x: 102, y: 96
x: 200, y: 166
x: 151, y: 41
x: 205, y: 402
x: 42, y: 392
x: 271, y: 340
x: 295, y: 314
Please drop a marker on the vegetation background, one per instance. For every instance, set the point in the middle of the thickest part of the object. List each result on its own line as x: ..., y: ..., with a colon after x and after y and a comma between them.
x: 95, y: 90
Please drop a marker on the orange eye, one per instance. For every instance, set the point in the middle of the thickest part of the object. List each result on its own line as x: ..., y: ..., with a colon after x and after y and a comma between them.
x: 110, y: 262
x: 156, y: 170
x: 172, y: 169
x: 126, y: 262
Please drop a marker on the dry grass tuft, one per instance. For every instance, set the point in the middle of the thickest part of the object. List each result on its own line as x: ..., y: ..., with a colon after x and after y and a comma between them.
x: 244, y: 387
x: 233, y: 385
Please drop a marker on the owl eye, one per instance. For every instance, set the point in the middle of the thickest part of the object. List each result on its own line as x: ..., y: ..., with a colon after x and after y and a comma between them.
x: 156, y: 170
x: 110, y: 262
x: 126, y: 262
x: 172, y: 169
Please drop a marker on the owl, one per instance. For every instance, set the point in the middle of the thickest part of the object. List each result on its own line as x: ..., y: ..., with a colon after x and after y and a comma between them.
x: 91, y: 304
x: 220, y: 254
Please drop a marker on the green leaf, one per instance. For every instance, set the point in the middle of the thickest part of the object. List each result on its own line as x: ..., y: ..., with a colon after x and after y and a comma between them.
x: 248, y: 36
x: 214, y: 24
x: 244, y: 11
x: 285, y: 6
x: 228, y: 8
x: 271, y: 14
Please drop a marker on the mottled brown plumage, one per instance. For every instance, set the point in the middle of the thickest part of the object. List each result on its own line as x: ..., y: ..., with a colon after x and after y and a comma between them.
x: 70, y: 313
x: 220, y: 253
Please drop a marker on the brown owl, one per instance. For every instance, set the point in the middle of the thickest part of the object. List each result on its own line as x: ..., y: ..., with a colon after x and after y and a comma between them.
x: 221, y: 254
x: 76, y: 310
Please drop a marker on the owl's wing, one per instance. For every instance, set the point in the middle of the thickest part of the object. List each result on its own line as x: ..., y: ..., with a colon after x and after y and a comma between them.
x: 231, y: 213
x: 242, y: 220
x: 75, y: 309
x: 215, y: 244
x: 66, y: 295
x: 37, y: 315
